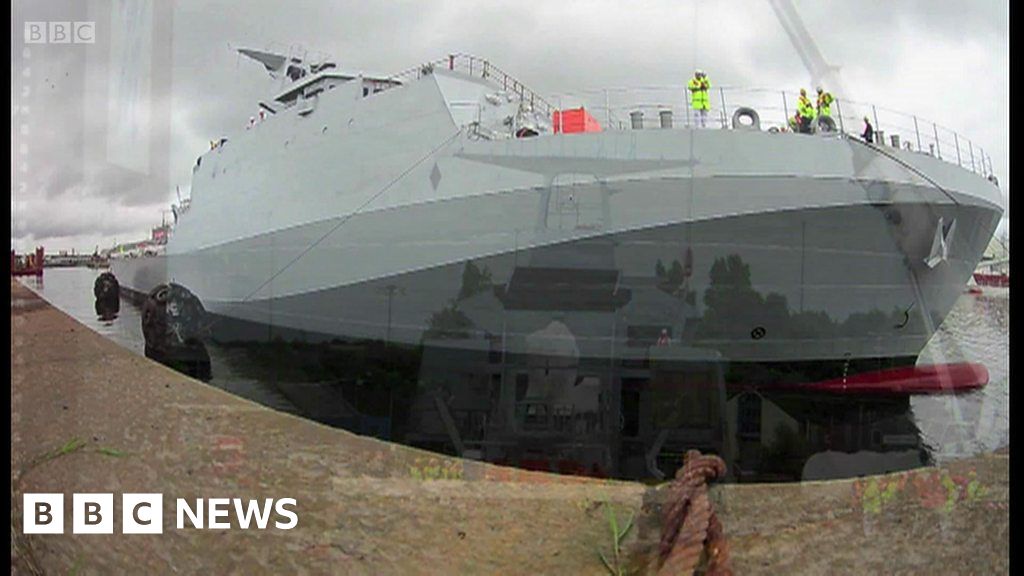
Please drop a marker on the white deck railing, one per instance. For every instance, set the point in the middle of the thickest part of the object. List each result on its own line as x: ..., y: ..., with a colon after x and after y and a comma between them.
x: 614, y: 108
x: 479, y: 67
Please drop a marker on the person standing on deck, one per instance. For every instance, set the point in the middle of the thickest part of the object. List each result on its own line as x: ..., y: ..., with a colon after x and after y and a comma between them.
x: 699, y: 100
x: 825, y: 100
x: 869, y: 131
x: 806, y: 112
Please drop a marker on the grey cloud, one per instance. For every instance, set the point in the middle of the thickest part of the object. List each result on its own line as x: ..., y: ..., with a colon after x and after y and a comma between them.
x: 942, y: 18
x: 83, y: 216
x: 554, y: 47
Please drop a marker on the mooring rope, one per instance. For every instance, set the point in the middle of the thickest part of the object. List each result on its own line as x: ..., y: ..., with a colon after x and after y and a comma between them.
x: 692, y: 530
x: 878, y: 149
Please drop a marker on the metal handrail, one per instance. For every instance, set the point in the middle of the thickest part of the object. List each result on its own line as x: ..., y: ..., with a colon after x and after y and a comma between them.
x: 774, y: 107
x: 478, y: 67
x: 612, y: 106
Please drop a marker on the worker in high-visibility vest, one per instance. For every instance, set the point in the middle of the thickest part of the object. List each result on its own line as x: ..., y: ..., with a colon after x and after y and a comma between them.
x: 699, y: 86
x: 805, y: 110
x: 824, y: 103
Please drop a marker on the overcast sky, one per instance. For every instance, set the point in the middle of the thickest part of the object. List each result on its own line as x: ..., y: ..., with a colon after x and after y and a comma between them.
x: 89, y: 167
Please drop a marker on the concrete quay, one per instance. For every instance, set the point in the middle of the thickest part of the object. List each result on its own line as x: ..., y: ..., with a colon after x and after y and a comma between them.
x: 90, y: 416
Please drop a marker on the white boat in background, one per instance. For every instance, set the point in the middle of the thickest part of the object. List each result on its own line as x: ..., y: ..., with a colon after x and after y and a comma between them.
x: 994, y: 268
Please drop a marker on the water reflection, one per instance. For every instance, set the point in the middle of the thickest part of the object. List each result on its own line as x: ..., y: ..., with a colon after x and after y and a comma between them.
x: 551, y: 409
x: 955, y: 427
x: 581, y: 369
x: 508, y: 370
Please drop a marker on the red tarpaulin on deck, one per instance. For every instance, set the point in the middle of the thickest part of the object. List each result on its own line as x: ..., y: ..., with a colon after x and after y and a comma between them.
x: 574, y: 120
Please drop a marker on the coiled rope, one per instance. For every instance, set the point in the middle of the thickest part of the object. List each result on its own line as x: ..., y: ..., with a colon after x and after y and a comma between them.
x: 692, y: 531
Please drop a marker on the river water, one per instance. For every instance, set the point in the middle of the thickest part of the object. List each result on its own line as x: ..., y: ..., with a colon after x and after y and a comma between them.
x: 879, y: 436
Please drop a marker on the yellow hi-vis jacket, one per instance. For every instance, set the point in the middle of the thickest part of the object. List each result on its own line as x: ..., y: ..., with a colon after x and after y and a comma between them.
x: 825, y: 104
x: 804, y: 107
x: 699, y: 93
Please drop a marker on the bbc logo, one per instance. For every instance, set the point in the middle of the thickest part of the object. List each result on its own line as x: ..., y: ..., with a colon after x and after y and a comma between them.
x: 144, y: 513
x: 60, y: 32
x: 93, y: 514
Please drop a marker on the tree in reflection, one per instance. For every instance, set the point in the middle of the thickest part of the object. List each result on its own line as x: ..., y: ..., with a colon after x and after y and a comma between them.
x: 734, y: 308
x: 474, y: 281
x: 450, y: 322
x: 735, y: 311
x: 673, y: 281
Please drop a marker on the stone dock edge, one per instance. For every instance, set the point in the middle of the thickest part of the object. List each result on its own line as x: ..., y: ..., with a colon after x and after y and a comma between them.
x: 88, y: 416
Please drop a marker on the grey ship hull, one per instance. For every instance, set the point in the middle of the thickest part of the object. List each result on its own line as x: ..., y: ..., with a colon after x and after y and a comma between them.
x: 813, y: 283
x: 358, y: 216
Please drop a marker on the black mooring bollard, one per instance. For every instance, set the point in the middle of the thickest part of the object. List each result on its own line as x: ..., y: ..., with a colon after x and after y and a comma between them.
x: 107, y: 291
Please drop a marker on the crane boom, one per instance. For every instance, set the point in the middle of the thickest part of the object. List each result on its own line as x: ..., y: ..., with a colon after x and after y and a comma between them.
x: 821, y: 71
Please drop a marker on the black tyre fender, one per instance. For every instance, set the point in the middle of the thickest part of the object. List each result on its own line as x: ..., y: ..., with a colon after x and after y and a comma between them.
x: 741, y: 112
